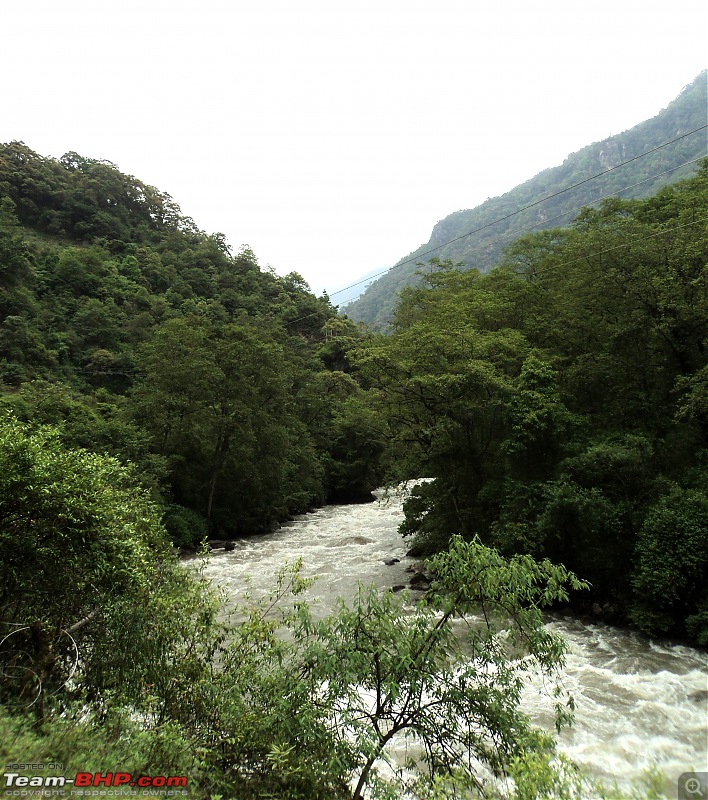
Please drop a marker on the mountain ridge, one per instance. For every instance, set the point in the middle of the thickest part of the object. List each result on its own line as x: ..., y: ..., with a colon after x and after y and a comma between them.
x: 476, y: 237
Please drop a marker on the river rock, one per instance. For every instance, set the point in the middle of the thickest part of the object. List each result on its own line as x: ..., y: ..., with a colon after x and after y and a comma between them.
x: 701, y: 696
x: 349, y: 540
x: 420, y: 581
x: 389, y: 562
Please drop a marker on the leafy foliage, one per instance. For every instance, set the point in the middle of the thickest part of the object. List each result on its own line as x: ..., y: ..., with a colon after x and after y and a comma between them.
x: 143, y: 337
x: 388, y: 673
x: 124, y: 654
x: 558, y: 403
x: 70, y: 508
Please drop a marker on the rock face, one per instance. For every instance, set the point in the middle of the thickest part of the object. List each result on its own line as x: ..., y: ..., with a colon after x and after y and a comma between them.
x: 612, y: 153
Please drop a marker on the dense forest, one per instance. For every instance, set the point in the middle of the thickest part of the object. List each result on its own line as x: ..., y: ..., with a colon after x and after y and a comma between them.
x: 560, y: 403
x: 475, y: 238
x: 157, y: 389
x: 142, y: 337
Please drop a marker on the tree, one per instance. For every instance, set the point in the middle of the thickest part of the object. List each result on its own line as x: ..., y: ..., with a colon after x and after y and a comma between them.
x: 217, y: 399
x: 444, y: 382
x: 385, y: 672
x: 14, y: 262
x: 284, y: 705
x: 270, y: 702
x: 75, y: 533
x: 557, y: 399
x: 672, y: 566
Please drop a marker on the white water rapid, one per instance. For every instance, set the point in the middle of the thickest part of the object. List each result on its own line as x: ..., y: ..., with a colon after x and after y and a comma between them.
x: 638, y: 703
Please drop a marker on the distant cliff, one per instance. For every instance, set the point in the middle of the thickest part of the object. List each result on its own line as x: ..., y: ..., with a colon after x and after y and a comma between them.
x: 640, y: 178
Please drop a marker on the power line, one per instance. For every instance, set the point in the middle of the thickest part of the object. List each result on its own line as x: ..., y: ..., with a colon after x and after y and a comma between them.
x: 520, y: 210
x: 629, y: 242
x: 521, y: 231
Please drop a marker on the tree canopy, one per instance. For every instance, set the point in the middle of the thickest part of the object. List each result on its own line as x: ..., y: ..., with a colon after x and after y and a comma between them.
x: 557, y: 403
x: 143, y: 337
x: 156, y: 389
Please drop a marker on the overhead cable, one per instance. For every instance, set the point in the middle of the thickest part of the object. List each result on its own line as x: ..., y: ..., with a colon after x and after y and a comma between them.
x: 525, y: 208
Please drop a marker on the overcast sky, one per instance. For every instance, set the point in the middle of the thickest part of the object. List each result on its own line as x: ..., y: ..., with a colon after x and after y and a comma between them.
x: 331, y: 135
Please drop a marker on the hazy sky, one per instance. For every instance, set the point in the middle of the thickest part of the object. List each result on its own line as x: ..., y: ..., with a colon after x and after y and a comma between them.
x: 331, y: 135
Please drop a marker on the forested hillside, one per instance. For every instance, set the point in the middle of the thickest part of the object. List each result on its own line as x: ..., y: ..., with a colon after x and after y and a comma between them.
x: 156, y: 388
x: 494, y: 228
x: 560, y: 402
x: 143, y: 337
x: 148, y: 375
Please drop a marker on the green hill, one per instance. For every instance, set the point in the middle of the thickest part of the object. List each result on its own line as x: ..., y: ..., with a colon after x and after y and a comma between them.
x: 145, y: 338
x: 640, y: 178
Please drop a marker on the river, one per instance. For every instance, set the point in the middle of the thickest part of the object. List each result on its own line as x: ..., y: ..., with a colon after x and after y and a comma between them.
x: 638, y: 703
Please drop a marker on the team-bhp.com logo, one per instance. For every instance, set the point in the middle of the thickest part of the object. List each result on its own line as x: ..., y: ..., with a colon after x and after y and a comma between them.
x: 89, y: 784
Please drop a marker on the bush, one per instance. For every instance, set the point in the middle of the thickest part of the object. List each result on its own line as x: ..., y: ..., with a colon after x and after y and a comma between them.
x: 671, y: 577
